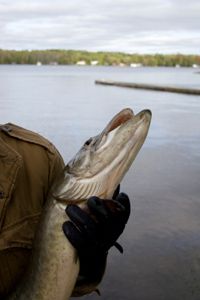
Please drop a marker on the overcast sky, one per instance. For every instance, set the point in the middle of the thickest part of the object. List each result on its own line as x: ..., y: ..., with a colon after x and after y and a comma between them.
x: 143, y: 26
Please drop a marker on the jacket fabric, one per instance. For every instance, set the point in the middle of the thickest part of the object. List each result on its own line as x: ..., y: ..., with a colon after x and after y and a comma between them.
x: 28, y: 166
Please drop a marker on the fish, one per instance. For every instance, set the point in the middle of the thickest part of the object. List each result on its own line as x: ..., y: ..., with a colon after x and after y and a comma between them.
x: 96, y: 170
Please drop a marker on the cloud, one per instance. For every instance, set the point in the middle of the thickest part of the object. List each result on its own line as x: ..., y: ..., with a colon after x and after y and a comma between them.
x: 120, y: 25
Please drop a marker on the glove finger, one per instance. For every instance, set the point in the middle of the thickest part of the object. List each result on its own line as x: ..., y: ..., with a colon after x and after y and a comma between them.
x: 104, y: 209
x: 74, y: 235
x: 123, y: 199
x: 86, y: 225
x: 97, y: 208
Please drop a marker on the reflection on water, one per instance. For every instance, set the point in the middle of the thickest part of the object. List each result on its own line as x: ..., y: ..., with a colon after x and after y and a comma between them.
x: 161, y: 257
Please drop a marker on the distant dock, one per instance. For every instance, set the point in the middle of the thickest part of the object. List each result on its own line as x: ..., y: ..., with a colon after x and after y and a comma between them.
x: 152, y: 87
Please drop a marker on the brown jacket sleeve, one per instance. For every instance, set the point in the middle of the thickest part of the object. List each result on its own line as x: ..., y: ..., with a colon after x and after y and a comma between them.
x: 28, y: 166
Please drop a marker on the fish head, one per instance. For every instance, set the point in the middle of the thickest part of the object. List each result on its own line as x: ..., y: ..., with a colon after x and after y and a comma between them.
x: 101, y: 163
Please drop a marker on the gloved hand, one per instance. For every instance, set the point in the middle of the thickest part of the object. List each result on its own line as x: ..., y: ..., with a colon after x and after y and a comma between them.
x: 93, y: 233
x: 98, y: 230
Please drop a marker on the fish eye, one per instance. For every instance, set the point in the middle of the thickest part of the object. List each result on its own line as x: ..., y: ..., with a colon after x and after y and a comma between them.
x: 88, y: 142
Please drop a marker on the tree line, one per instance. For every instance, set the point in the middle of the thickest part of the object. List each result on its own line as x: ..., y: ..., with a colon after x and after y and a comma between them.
x: 71, y: 57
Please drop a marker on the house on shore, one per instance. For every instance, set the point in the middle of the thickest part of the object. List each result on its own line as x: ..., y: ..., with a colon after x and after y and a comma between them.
x: 81, y: 63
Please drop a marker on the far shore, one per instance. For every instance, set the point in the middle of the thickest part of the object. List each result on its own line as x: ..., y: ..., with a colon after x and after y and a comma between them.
x: 86, y: 58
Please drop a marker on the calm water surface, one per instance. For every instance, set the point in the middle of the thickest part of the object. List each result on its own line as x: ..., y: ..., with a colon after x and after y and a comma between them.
x: 161, y: 257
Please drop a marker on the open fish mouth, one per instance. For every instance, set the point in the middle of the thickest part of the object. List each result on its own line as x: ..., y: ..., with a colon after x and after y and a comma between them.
x: 122, y: 117
x: 124, y: 129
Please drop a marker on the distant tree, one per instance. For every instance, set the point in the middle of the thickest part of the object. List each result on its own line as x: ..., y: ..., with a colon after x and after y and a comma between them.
x: 70, y: 57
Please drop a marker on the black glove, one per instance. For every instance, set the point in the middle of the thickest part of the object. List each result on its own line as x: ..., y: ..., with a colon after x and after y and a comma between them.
x: 98, y: 230
x: 93, y: 233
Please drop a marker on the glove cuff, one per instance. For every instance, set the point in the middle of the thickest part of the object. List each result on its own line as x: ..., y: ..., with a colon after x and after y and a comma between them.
x: 92, y: 268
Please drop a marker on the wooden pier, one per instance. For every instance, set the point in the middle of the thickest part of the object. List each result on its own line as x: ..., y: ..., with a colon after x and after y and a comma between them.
x: 170, y: 89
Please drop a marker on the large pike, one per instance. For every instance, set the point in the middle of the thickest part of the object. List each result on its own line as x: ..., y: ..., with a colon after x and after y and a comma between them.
x: 96, y: 170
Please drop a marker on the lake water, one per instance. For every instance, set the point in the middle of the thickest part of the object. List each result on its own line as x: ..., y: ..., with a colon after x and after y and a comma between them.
x: 161, y: 242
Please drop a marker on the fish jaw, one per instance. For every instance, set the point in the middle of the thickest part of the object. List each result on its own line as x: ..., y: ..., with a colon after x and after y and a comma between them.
x: 102, y: 162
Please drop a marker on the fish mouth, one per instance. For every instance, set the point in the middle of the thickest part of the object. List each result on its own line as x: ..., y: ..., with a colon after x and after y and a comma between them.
x: 125, y: 116
x: 119, y: 119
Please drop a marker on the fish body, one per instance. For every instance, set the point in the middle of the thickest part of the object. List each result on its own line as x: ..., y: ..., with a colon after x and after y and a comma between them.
x: 96, y: 170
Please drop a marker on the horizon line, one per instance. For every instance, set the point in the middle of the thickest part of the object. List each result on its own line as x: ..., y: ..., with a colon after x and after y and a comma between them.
x: 103, y: 51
